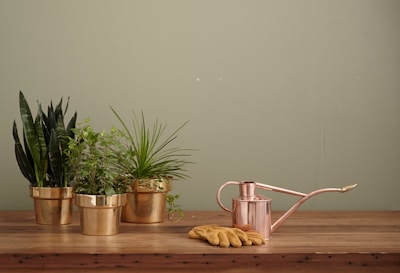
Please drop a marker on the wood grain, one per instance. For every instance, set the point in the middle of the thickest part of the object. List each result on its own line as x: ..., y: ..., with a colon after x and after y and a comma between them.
x: 310, y: 241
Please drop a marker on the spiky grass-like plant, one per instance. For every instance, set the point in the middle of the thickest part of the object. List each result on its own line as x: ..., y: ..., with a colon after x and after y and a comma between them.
x: 148, y: 152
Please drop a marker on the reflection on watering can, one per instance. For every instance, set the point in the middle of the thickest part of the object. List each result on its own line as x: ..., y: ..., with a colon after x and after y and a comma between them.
x: 251, y: 211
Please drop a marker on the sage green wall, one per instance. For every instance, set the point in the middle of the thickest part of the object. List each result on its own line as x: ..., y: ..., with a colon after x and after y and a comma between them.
x: 297, y: 94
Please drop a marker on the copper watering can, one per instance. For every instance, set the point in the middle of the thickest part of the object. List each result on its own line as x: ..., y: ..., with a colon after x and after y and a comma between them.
x: 251, y: 211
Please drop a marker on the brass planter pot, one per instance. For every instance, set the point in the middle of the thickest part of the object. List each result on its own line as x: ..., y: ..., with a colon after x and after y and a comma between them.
x: 53, y: 206
x: 146, y: 201
x: 100, y: 214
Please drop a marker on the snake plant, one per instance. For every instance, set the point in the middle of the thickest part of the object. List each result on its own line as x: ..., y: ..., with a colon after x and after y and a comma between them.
x: 41, y: 154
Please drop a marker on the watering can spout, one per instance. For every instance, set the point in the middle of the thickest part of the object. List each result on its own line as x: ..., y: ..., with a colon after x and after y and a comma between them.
x: 349, y: 187
x: 304, y: 198
x: 252, y: 211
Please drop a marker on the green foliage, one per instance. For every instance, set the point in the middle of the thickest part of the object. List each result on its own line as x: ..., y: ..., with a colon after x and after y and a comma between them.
x: 175, y: 213
x: 41, y: 156
x: 93, y: 161
x: 147, y: 152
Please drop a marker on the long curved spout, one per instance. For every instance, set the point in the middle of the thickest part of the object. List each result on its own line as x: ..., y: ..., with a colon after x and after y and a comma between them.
x: 304, y: 198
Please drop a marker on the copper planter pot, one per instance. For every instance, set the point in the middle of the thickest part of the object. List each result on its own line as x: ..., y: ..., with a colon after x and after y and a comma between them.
x: 146, y: 201
x: 53, y: 206
x: 100, y: 214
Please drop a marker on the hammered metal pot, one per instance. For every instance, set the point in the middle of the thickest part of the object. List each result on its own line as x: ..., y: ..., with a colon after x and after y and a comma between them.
x: 53, y: 206
x: 146, y: 201
x: 100, y: 214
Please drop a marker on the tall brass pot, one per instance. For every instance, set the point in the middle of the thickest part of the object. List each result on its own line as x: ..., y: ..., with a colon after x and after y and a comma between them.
x: 146, y: 201
x: 100, y: 214
x: 53, y: 206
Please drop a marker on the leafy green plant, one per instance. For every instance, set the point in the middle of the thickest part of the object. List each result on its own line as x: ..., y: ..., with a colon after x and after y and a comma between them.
x: 93, y: 161
x: 41, y: 156
x: 175, y: 213
x: 147, y: 152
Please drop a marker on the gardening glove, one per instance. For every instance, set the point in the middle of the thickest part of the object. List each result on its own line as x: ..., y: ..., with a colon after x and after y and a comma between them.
x: 199, y: 232
x: 255, y: 237
x: 224, y: 236
x: 217, y: 235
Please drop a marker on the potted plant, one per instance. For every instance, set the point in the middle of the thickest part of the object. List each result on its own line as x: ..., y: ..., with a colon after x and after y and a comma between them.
x: 98, y: 193
x: 41, y: 159
x: 149, y: 165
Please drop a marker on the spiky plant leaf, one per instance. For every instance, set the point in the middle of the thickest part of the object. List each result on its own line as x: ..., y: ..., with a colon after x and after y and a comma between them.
x: 71, y: 124
x: 37, y: 135
x: 41, y: 164
x: 26, y: 148
x: 34, y: 138
x: 23, y: 162
x: 58, y: 112
x: 148, y: 154
x: 56, y: 161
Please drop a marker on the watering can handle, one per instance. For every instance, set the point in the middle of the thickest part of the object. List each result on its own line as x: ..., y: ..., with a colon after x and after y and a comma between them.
x: 219, y: 194
x: 245, y: 192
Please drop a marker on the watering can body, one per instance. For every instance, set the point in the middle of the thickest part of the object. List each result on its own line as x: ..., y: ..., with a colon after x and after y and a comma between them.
x: 252, y: 215
x: 251, y: 211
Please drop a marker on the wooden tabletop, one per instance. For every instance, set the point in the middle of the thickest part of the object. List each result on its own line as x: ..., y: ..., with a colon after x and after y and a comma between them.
x: 312, y: 241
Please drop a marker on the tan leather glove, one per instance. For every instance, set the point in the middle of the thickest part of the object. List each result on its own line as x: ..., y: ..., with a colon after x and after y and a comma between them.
x: 224, y: 236
x: 255, y: 237
x: 199, y: 232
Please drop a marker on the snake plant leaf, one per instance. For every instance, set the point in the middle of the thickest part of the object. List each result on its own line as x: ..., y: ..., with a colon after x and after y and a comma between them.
x: 61, y: 134
x: 46, y: 128
x: 56, y: 161
x: 23, y: 162
x: 66, y: 106
x: 71, y: 125
x: 31, y: 136
x: 38, y: 134
x: 62, y: 138
x: 47, y: 122
x: 41, y: 148
x: 27, y: 152
x: 58, y: 110
x: 27, y: 122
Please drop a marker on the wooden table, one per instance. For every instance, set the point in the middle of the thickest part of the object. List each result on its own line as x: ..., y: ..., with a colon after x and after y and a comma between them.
x: 310, y: 241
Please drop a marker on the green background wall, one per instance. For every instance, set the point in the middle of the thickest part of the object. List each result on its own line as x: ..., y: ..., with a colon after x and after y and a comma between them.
x: 297, y: 94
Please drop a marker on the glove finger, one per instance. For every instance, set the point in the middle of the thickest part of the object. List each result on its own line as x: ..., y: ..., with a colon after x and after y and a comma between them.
x: 241, y: 234
x: 223, y: 239
x: 255, y: 234
x: 233, y: 239
x: 213, y: 238
x: 201, y: 234
x: 247, y: 243
x: 256, y: 241
x: 193, y: 235
x: 256, y: 238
